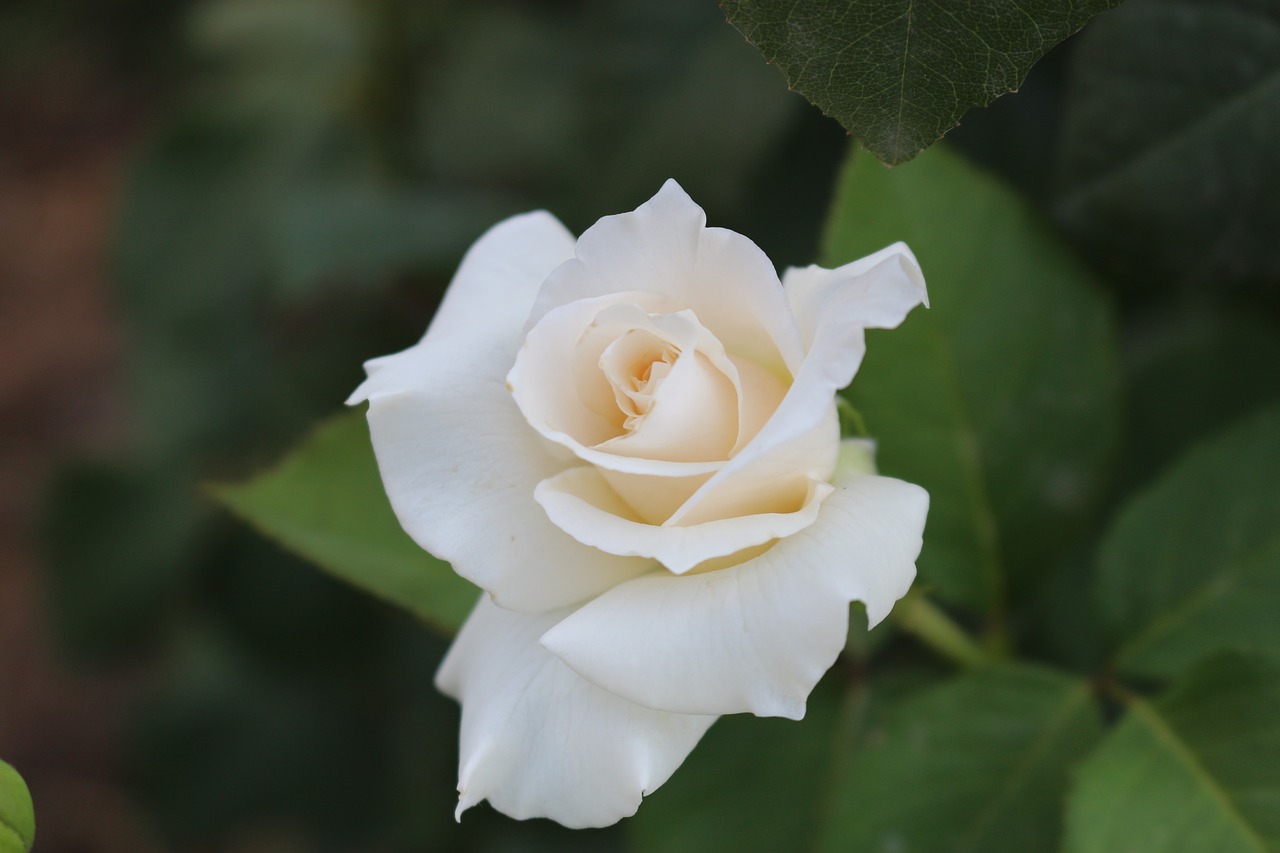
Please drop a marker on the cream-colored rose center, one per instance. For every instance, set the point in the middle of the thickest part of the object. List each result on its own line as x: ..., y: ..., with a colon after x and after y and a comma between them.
x: 629, y: 380
x: 661, y: 385
x: 635, y: 366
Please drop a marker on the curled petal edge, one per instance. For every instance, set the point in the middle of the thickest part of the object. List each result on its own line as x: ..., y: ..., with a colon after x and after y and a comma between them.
x: 755, y: 637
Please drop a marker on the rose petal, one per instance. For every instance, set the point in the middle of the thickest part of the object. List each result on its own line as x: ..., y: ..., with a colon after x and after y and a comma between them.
x: 875, y: 292
x: 665, y: 247
x: 759, y: 394
x: 653, y: 499
x: 832, y: 308
x: 811, y: 456
x: 500, y: 275
x: 580, y: 502
x: 492, y: 291
x: 539, y: 741
x: 755, y: 637
x: 690, y: 416
x: 687, y: 412
x: 458, y: 460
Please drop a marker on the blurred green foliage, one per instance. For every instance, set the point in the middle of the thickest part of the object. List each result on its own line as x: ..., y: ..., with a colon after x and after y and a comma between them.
x: 1170, y: 162
x: 318, y: 167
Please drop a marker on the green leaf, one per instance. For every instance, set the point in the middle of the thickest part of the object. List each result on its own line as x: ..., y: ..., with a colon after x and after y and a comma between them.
x: 1195, y: 771
x: 751, y: 785
x: 898, y: 74
x: 896, y: 762
x: 1193, y: 565
x: 17, y: 816
x: 978, y: 764
x: 761, y: 785
x: 1001, y: 399
x: 1170, y: 160
x: 326, y: 502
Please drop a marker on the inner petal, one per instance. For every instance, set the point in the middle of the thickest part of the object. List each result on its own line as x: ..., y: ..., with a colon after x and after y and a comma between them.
x: 580, y: 502
x: 635, y: 365
x: 653, y: 499
x: 759, y: 394
x: 666, y: 382
x: 678, y: 406
x: 558, y: 385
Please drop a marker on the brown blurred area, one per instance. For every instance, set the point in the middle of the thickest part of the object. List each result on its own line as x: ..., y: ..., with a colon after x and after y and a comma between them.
x: 66, y: 137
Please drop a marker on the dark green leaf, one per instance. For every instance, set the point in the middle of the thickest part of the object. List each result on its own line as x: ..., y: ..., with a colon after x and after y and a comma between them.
x: 1001, y: 399
x: 760, y: 786
x: 898, y: 74
x: 326, y: 502
x: 1170, y: 154
x: 17, y: 817
x: 751, y: 785
x: 1193, y: 565
x: 1195, y: 771
x: 979, y: 764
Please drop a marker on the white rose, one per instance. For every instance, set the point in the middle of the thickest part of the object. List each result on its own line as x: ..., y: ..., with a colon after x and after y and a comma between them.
x: 630, y: 443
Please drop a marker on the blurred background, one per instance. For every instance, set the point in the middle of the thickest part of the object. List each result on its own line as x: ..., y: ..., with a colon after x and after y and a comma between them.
x: 212, y: 211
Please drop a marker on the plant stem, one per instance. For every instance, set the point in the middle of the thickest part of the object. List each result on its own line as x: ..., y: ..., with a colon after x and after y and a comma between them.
x: 929, y: 624
x: 851, y: 423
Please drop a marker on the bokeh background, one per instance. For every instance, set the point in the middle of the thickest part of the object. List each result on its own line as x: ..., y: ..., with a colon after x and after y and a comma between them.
x: 212, y: 211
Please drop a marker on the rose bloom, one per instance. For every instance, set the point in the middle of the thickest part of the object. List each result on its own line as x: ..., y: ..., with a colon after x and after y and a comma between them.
x: 630, y: 443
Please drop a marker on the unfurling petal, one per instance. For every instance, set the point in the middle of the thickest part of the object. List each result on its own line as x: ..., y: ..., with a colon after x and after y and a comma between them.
x: 664, y: 247
x: 581, y: 502
x: 540, y: 741
x: 832, y: 310
x: 458, y: 460
x: 875, y: 292
x: 755, y: 637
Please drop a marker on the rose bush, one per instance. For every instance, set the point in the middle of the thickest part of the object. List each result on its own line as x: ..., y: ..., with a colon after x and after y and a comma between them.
x: 630, y: 442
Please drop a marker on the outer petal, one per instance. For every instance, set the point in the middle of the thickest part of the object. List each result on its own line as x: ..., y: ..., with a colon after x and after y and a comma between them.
x: 498, y: 279
x: 581, y: 503
x: 832, y: 309
x: 665, y: 247
x: 490, y: 295
x: 458, y: 460
x: 875, y: 292
x: 757, y: 636
x: 539, y: 741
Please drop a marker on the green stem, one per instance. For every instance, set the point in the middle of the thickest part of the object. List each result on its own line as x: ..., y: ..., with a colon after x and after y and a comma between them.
x: 851, y: 423
x: 929, y: 624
